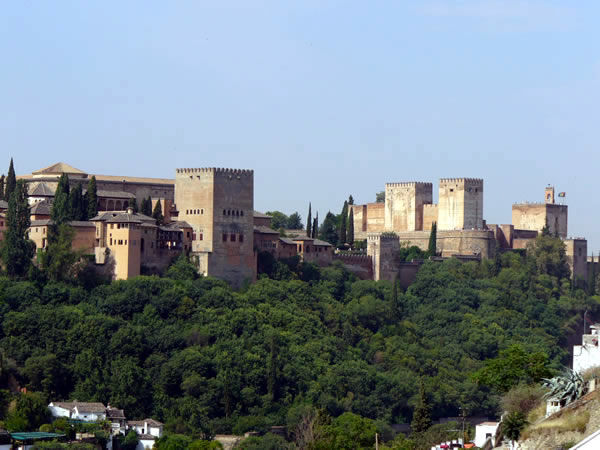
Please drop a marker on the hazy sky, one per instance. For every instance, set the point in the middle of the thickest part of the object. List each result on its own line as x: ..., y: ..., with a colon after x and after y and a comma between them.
x: 321, y: 98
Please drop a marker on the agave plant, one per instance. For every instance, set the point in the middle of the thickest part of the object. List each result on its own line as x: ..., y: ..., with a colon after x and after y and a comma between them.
x: 565, y: 388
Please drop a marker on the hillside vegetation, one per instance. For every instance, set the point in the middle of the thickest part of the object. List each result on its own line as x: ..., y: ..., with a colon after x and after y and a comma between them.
x: 204, y: 359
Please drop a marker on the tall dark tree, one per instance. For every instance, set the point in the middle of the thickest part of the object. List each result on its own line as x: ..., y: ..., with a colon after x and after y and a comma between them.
x: 327, y: 230
x: 147, y: 207
x: 134, y: 205
x: 351, y: 200
x: 309, y: 221
x: 592, y: 277
x: 422, y: 415
x: 432, y: 247
x: 76, y: 203
x: 92, y: 198
x: 157, y: 212
x: 343, y: 238
x: 315, y: 227
x: 380, y: 197
x: 11, y: 181
x: 295, y: 221
x: 16, y: 249
x: 2, y: 187
x: 350, y: 233
x: 61, y: 208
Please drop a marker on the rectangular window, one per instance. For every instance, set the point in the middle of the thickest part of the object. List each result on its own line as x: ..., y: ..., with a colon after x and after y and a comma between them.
x: 241, y: 238
x: 125, y: 241
x: 112, y: 226
x: 224, y: 237
x: 232, y: 237
x: 201, y: 236
x: 110, y: 241
x: 188, y: 234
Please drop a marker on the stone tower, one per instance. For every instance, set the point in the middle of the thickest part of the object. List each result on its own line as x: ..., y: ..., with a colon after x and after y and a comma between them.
x: 549, y: 195
x: 219, y: 205
x: 382, y: 248
x: 460, y: 204
x: 404, y: 205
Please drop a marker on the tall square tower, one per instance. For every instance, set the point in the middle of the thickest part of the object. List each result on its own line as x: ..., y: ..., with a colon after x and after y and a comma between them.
x: 460, y: 204
x: 219, y: 206
x: 404, y: 205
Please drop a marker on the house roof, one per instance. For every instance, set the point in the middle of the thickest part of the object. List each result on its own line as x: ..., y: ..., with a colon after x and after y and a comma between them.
x: 287, y: 241
x: 82, y: 406
x: 265, y: 230
x: 73, y: 223
x: 40, y: 208
x: 150, y: 422
x: 42, y: 190
x: 57, y: 169
x: 322, y: 243
x: 146, y: 437
x: 302, y: 238
x: 3, y: 204
x: 114, y: 413
x: 261, y: 215
x: 101, y: 193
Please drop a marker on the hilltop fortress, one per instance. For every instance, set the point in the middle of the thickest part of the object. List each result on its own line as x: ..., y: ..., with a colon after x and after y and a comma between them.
x: 209, y: 215
x: 408, y: 213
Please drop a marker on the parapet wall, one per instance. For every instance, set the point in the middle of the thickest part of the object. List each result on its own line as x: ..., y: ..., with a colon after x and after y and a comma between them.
x: 217, y: 170
x: 359, y: 265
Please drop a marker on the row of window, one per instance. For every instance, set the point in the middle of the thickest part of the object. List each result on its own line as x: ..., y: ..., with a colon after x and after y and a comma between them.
x: 122, y: 242
x: 233, y: 212
x: 194, y: 211
x: 124, y: 225
x: 233, y: 237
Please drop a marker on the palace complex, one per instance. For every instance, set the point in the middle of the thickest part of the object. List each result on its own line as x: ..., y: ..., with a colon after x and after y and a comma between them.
x: 209, y: 215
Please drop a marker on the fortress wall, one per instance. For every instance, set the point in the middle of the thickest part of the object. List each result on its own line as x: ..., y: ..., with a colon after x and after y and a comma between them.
x: 360, y: 221
x: 404, y: 205
x: 467, y: 242
x: 576, y: 252
x: 534, y: 216
x: 359, y: 265
x: 418, y: 238
x: 430, y: 215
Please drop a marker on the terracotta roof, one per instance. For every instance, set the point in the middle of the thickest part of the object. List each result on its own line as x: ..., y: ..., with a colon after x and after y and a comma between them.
x: 265, y: 230
x: 122, y: 217
x: 259, y: 214
x: 183, y: 224
x: 58, y: 168
x: 302, y: 238
x: 287, y: 241
x: 40, y: 223
x: 73, y: 223
x: 150, y: 422
x: 93, y: 407
x: 42, y: 190
x: 117, y: 178
x: 113, y: 194
x: 322, y: 243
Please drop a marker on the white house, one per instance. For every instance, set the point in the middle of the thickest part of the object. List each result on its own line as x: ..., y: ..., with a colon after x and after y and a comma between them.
x: 485, y: 430
x: 88, y: 412
x: 148, y: 430
x: 587, y: 354
x: 117, y: 419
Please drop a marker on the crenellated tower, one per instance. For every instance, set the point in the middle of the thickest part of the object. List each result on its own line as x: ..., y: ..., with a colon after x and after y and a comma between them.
x: 404, y: 205
x: 460, y: 204
x: 219, y: 205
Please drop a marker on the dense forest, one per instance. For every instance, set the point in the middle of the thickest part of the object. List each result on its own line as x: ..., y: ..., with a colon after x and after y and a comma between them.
x: 301, y: 341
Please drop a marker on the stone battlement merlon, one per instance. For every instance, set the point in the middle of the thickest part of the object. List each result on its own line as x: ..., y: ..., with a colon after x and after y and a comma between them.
x: 472, y: 181
x: 218, y: 170
x: 409, y: 184
x: 350, y: 258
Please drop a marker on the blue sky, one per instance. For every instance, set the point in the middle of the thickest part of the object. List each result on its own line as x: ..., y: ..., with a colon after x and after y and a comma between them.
x: 321, y: 98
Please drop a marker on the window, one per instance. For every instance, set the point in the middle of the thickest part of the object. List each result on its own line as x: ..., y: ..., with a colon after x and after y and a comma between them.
x: 224, y: 237
x: 237, y: 213
x: 241, y: 238
x: 125, y: 241
x: 112, y: 226
x: 188, y: 234
x: 228, y: 212
x: 110, y: 241
x: 118, y: 226
x: 202, y: 211
x: 242, y: 213
x: 224, y: 212
x: 232, y: 237
x: 201, y: 236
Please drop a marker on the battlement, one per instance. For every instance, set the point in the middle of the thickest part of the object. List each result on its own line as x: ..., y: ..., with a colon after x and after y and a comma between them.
x: 471, y: 181
x: 352, y: 258
x: 410, y: 184
x: 217, y: 170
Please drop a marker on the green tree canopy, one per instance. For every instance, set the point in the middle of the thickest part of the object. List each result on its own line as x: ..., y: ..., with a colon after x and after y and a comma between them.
x: 10, y: 182
x: 92, y: 198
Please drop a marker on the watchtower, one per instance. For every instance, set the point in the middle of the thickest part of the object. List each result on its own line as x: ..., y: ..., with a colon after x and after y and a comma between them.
x: 404, y: 205
x: 460, y: 204
x: 549, y: 195
x: 219, y: 205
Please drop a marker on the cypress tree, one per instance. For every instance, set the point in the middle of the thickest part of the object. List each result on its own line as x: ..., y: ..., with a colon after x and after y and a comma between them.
x: 10, y: 182
x: 76, y: 203
x: 134, y: 205
x: 157, y: 213
x: 309, y: 222
x: 350, y: 234
x: 147, y: 207
x: 343, y: 224
x: 315, y: 227
x: 327, y: 231
x: 92, y: 198
x: 422, y: 415
x: 592, y: 277
x: 61, y: 208
x: 432, y: 248
x: 351, y: 200
x: 16, y: 249
x: 2, y: 188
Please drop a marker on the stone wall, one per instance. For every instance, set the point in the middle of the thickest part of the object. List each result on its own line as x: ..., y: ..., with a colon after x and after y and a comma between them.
x: 576, y: 251
x: 359, y: 265
x: 534, y: 216
x: 430, y: 216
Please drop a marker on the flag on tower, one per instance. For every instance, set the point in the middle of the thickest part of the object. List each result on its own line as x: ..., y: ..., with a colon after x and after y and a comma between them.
x: 562, y: 194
